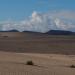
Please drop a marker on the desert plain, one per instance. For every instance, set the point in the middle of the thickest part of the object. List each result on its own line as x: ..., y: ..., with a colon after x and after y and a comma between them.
x: 51, y: 54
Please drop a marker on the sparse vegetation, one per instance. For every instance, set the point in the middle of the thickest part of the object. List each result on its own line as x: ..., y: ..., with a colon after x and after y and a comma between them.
x: 5, y: 36
x: 29, y: 62
x: 72, y: 66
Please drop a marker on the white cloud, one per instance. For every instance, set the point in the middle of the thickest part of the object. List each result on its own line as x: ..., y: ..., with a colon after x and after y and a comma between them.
x: 39, y: 22
x: 64, y: 25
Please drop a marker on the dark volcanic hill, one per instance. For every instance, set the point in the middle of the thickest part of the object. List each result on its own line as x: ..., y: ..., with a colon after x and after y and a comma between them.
x: 10, y: 31
x: 51, y: 32
x: 60, y: 32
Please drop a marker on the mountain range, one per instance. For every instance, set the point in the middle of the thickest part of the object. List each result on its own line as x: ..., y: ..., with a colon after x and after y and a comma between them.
x: 51, y: 32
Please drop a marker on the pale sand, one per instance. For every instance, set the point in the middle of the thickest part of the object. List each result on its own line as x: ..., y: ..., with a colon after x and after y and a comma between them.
x: 45, y: 64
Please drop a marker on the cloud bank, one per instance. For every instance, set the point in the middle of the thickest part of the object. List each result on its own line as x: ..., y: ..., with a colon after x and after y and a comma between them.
x: 43, y: 22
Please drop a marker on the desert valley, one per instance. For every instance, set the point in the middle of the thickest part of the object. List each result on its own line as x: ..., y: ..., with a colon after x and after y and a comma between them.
x: 51, y: 54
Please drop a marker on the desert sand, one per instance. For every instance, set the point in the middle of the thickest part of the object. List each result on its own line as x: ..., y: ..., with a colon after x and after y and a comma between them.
x: 51, y: 55
x: 45, y: 64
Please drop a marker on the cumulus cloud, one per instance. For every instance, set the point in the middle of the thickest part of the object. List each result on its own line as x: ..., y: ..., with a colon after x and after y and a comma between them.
x: 64, y: 25
x: 43, y: 22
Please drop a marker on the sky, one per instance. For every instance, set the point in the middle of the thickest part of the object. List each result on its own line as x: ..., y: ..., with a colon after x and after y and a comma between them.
x: 36, y: 12
x: 20, y: 9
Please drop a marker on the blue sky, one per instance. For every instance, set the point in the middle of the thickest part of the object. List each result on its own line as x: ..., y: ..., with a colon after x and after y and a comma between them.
x: 20, y: 9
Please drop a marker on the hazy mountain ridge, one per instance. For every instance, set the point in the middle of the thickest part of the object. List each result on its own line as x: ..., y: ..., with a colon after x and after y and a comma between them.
x: 51, y: 32
x: 60, y: 32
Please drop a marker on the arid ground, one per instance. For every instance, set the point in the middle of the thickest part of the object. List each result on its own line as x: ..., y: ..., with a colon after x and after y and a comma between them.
x: 37, y: 43
x: 44, y: 64
x: 51, y: 54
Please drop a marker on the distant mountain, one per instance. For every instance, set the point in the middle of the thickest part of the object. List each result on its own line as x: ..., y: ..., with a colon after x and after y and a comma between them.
x: 51, y: 32
x: 13, y: 31
x: 10, y: 31
x: 60, y: 32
